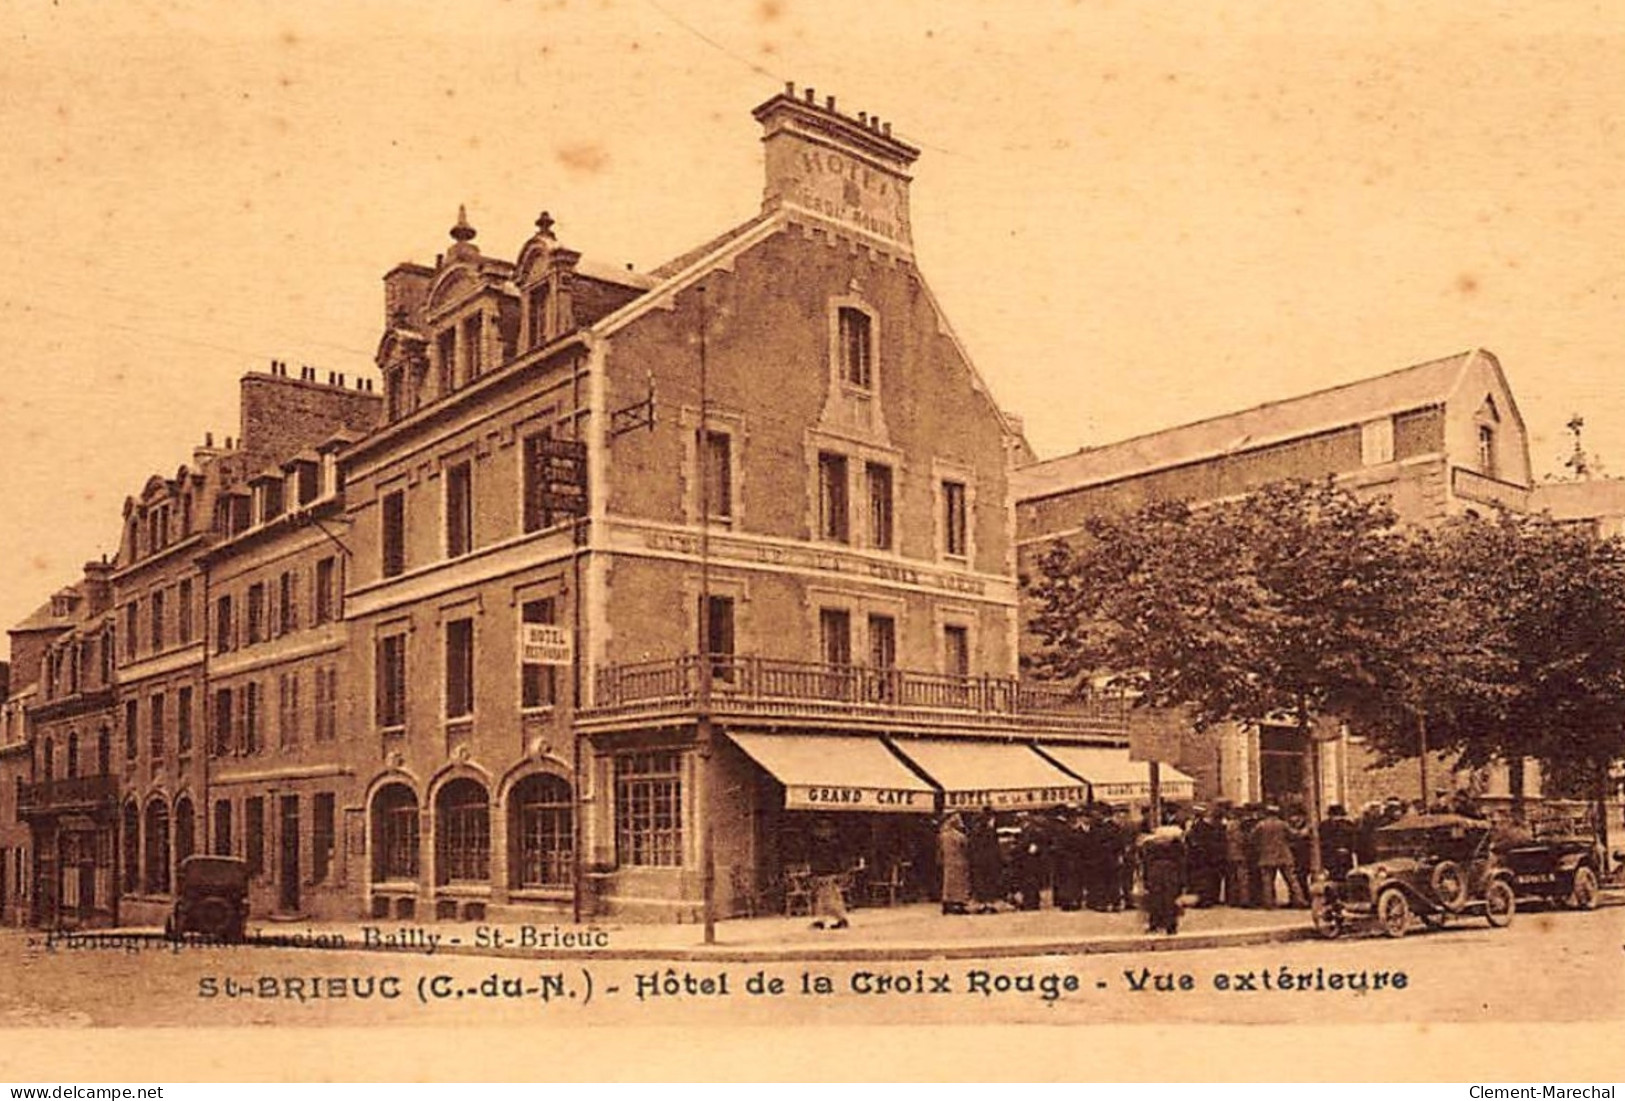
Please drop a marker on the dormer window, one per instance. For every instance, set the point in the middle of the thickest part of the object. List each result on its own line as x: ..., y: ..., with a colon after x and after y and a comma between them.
x: 1486, y: 450
x: 270, y: 499
x: 395, y: 394
x: 473, y: 345
x: 536, y: 311
x: 307, y: 482
x: 447, y: 348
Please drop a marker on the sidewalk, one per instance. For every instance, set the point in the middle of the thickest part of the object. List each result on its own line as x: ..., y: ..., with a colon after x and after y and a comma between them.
x: 911, y: 932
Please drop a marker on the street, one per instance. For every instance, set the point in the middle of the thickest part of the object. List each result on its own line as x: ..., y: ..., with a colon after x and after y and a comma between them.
x: 1549, y: 966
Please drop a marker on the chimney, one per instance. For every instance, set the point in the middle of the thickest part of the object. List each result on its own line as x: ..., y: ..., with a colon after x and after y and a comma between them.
x: 845, y: 170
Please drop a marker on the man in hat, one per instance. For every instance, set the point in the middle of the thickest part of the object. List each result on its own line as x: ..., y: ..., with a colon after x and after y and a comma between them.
x: 1337, y: 842
x: 1274, y: 841
x: 1205, y: 856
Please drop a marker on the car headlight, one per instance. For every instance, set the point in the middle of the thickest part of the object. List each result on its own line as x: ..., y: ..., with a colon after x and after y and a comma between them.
x: 1380, y: 871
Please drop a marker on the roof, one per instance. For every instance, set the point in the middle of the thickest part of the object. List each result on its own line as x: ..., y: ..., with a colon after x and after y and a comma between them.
x: 44, y: 618
x: 609, y: 273
x: 678, y: 264
x: 1415, y: 387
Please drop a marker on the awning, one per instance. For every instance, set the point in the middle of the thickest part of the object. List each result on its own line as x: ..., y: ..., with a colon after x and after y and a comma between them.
x: 991, y: 774
x: 1116, y: 779
x: 838, y: 772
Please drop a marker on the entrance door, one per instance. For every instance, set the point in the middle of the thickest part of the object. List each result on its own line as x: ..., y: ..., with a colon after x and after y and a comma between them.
x: 289, y: 865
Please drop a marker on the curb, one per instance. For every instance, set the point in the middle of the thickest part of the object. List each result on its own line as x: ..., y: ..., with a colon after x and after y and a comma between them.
x: 812, y: 953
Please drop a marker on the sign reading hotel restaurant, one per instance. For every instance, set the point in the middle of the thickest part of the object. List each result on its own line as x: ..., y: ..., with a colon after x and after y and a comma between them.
x: 839, y: 797
x: 545, y: 644
x: 1017, y: 798
x: 842, y: 187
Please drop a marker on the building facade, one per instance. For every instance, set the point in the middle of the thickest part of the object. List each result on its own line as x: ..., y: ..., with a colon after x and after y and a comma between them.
x: 1438, y: 439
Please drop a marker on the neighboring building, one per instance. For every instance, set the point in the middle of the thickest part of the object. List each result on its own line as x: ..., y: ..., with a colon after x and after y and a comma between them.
x: 557, y: 513
x: 278, y: 782
x: 16, y: 770
x: 1439, y: 439
x: 71, y: 804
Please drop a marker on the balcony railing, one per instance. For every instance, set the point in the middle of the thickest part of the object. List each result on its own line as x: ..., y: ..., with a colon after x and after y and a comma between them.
x: 755, y: 685
x: 63, y: 794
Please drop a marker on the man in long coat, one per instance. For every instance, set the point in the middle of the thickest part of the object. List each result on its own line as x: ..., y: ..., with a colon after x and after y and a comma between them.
x: 953, y: 855
x: 1273, y: 839
x: 1067, y: 853
x: 986, y: 863
x: 1205, y: 856
x: 1162, y: 856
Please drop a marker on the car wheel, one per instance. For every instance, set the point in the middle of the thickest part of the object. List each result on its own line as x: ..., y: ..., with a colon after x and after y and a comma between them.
x: 1393, y: 912
x: 1499, y: 904
x: 1449, y: 885
x: 1328, y: 919
x: 1583, y: 895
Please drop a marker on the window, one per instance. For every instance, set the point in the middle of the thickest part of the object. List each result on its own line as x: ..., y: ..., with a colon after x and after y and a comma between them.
x: 719, y: 475
x: 156, y: 733
x: 954, y: 534
x: 157, y: 622
x: 327, y: 703
x: 395, y: 833
x: 394, y: 534
x: 395, y: 394
x: 878, y: 476
x: 648, y: 809
x: 222, y: 827
x: 254, y: 834
x: 956, y: 650
x: 308, y: 482
x: 835, y: 636
x: 131, y: 623
x: 832, y: 511
x: 156, y: 836
x: 225, y: 626
x: 132, y: 732
x: 270, y: 499
x: 326, y: 589
x: 183, y: 721
x: 132, y: 849
x: 883, y: 655
x: 459, y: 510
x: 1486, y: 450
x: 459, y: 668
x: 538, y: 685
x: 222, y: 722
x: 73, y: 754
x: 253, y: 717
x: 287, y: 609
x: 183, y: 613
x: 287, y: 723
x: 536, y: 304
x: 543, y: 824
x: 390, y: 681
x: 857, y: 349
x: 719, y: 636
x: 446, y: 345
x: 474, y: 346
x: 107, y: 658
x: 538, y: 510
x: 256, y: 613
x: 322, y: 835
x: 104, y: 753
x: 462, y: 833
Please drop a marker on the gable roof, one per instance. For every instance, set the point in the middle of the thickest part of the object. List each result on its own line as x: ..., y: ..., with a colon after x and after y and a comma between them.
x: 1416, y: 387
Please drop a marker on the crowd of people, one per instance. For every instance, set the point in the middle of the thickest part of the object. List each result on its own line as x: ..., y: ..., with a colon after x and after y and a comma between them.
x: 1102, y: 857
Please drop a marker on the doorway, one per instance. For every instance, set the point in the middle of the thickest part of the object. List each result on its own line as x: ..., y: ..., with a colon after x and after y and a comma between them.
x: 288, y: 867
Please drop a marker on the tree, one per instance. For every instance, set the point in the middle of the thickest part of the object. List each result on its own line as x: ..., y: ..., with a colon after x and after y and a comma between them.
x: 1279, y: 604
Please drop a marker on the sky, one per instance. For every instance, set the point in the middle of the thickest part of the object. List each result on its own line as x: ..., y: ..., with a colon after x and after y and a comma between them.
x: 1132, y: 217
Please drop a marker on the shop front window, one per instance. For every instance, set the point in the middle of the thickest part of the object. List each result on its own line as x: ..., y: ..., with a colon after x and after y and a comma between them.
x: 649, y: 809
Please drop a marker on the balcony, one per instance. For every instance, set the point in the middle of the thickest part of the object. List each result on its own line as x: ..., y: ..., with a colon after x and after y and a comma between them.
x: 80, y: 793
x: 756, y: 691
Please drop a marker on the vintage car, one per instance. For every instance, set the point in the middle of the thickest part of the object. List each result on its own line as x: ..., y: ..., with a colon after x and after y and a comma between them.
x: 1555, y: 861
x: 211, y: 898
x: 1433, y: 866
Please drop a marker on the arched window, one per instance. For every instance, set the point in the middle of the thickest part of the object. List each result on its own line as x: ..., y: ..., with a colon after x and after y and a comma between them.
x: 541, y: 836
x: 73, y: 754
x: 48, y: 760
x: 132, y: 849
x: 185, y: 830
x: 462, y: 831
x: 104, y: 752
x: 157, y: 848
x: 394, y: 833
